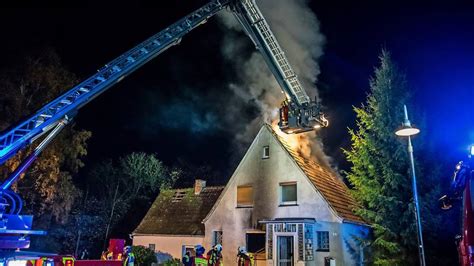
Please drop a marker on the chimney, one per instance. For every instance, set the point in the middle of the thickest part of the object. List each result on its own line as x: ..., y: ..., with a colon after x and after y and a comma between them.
x: 199, y: 185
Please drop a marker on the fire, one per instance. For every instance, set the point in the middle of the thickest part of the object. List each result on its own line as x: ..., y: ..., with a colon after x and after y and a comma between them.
x: 300, y: 143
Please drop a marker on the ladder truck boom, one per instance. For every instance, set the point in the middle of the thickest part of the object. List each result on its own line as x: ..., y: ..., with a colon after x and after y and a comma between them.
x: 297, y: 114
x: 48, y: 116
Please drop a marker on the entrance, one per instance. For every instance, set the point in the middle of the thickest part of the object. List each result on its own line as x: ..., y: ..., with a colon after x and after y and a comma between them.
x: 285, y: 251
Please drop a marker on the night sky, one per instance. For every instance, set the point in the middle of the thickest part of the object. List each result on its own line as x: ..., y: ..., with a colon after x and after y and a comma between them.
x: 172, y: 105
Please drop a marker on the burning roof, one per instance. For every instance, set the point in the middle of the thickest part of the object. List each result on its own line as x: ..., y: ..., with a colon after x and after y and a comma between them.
x: 334, y: 191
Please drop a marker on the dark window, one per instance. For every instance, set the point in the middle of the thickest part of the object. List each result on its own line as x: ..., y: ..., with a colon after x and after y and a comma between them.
x: 189, y: 249
x: 323, y: 240
x: 266, y: 152
x: 151, y: 246
x: 255, y: 242
x: 288, y: 193
x: 217, y: 238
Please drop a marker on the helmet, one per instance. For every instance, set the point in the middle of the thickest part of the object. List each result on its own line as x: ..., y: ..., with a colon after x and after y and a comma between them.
x: 127, y: 249
x: 242, y: 250
x: 218, y: 247
x: 199, y: 249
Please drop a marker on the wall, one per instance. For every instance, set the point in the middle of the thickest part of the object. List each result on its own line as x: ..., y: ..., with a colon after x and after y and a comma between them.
x: 354, y: 253
x: 167, y: 244
x: 264, y: 175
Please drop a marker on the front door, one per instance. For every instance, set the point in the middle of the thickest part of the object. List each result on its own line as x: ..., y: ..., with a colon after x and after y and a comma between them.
x: 285, y: 251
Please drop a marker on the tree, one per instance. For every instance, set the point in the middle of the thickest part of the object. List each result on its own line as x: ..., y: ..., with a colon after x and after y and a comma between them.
x: 47, y: 188
x: 379, y: 173
x: 144, y: 256
x: 119, y: 191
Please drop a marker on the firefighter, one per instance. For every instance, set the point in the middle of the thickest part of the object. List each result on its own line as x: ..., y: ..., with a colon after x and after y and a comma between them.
x: 243, y: 257
x: 187, y: 259
x: 103, y: 256
x: 215, y: 256
x: 200, y: 259
x: 129, y: 256
x: 110, y: 255
x: 84, y: 254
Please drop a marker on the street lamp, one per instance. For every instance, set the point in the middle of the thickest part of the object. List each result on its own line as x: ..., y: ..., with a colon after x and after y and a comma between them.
x: 407, y: 131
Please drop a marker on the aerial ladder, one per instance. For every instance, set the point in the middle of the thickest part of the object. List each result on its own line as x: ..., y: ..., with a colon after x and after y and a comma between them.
x: 298, y: 112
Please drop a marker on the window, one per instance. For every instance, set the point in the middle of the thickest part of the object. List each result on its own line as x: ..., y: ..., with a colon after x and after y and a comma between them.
x: 255, y: 242
x: 190, y: 249
x: 266, y: 152
x: 244, y: 196
x: 216, y: 237
x: 288, y: 193
x: 151, y: 246
x: 323, y: 240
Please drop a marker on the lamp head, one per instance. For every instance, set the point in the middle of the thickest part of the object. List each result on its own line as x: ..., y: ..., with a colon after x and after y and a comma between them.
x: 406, y: 130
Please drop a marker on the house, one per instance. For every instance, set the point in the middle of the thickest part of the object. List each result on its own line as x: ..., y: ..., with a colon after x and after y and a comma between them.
x: 173, y: 224
x: 285, y: 208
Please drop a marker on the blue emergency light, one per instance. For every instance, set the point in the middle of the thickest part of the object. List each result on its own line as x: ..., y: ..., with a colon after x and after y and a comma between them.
x: 471, y: 150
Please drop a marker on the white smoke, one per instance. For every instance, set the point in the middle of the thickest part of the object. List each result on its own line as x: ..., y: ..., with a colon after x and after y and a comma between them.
x: 298, y: 33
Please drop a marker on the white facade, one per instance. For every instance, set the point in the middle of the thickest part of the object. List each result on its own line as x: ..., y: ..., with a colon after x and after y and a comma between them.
x: 286, y: 226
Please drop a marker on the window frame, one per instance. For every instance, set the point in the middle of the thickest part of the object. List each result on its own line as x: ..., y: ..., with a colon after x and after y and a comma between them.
x: 214, y: 237
x: 244, y: 205
x: 266, y: 155
x: 288, y: 203
x: 319, y: 241
x: 152, y: 245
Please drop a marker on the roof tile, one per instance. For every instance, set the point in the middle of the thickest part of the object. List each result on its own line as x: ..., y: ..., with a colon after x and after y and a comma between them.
x: 179, y: 212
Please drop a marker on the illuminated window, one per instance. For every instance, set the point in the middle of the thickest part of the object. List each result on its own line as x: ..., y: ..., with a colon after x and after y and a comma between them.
x: 288, y: 193
x: 244, y: 196
x: 266, y: 152
x: 323, y: 240
x: 216, y: 238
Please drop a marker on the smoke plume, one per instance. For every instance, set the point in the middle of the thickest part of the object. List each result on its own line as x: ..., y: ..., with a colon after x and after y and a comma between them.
x: 298, y: 33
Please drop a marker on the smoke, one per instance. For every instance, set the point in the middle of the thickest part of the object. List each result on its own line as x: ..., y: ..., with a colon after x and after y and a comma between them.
x: 297, y: 30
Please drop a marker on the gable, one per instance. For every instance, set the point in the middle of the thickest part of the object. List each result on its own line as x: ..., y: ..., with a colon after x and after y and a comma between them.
x: 325, y: 181
x: 327, y: 196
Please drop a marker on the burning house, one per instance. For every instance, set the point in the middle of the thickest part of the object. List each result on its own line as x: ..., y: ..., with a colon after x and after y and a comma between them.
x: 285, y: 208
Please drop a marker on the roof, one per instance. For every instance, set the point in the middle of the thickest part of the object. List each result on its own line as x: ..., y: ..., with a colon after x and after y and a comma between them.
x: 333, y: 190
x: 179, y: 212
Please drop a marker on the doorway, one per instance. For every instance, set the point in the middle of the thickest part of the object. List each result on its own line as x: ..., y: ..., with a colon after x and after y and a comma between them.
x: 285, y: 251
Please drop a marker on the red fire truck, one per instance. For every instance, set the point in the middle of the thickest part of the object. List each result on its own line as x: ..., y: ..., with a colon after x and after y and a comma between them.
x: 24, y: 258
x: 462, y: 189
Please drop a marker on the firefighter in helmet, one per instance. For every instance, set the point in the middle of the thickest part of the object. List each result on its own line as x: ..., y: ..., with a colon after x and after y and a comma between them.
x: 129, y: 256
x: 215, y: 256
x: 199, y: 259
x: 243, y: 257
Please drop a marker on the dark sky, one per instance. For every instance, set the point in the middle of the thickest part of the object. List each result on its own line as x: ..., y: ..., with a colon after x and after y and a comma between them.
x: 172, y: 106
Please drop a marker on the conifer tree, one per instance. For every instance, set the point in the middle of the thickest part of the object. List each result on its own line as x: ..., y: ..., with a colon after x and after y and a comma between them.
x: 379, y: 172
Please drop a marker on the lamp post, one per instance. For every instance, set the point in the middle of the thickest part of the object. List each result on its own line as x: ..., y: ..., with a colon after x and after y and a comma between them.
x: 407, y: 131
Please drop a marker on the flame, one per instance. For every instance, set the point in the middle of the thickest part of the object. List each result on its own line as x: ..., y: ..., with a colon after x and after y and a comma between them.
x: 301, y: 143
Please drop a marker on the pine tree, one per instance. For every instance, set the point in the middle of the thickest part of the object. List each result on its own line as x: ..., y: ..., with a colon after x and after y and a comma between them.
x: 379, y: 172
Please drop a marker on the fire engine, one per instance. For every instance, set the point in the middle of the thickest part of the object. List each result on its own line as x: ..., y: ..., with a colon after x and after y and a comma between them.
x: 462, y: 189
x: 298, y: 112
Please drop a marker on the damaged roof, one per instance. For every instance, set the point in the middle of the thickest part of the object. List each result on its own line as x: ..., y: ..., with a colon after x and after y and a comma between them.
x: 179, y: 212
x: 333, y: 190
